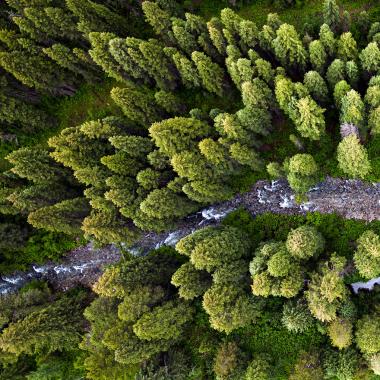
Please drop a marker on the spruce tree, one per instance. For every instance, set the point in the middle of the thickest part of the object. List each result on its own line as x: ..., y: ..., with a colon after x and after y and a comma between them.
x: 370, y: 58
x: 353, y: 157
x: 288, y: 47
x: 214, y: 27
x: 66, y: 216
x: 95, y: 17
x: 156, y: 17
x: 336, y: 72
x: 101, y: 55
x: 316, y: 86
x: 138, y: 105
x: 318, y: 55
x: 326, y: 36
x: 36, y: 165
x: 211, y: 74
x: 347, y: 48
x: 352, y: 109
x: 34, y: 70
x: 367, y: 255
x: 302, y: 172
x: 175, y: 135
x: 331, y: 14
x: 186, y: 68
x: 56, y: 327
x: 310, y: 121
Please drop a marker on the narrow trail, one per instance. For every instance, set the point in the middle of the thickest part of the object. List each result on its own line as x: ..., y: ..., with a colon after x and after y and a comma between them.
x: 352, y: 199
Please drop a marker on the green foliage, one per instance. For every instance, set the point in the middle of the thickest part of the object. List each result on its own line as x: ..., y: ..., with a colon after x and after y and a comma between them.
x: 305, y: 242
x: 353, y: 157
x: 296, y: 317
x: 164, y: 322
x: 307, y: 367
x: 302, y: 172
x: 367, y: 255
x: 340, y: 333
x: 55, y: 327
x: 340, y: 365
x: 228, y: 362
x: 326, y: 290
x: 367, y: 334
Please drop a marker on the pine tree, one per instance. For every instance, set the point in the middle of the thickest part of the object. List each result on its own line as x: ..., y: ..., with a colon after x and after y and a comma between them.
x: 95, y: 17
x: 310, y: 122
x: 367, y: 255
x: 347, y: 48
x: 316, y: 86
x: 56, y: 327
x: 370, y: 58
x: 326, y: 36
x: 246, y: 156
x: 66, y: 216
x: 367, y: 332
x: 331, y: 14
x: 302, y: 172
x: 211, y: 74
x: 215, y: 27
x: 352, y: 109
x: 175, y: 135
x: 138, y: 105
x: 336, y: 72
x: 318, y: 55
x: 156, y: 17
x: 288, y: 47
x: 35, y: 71
x: 101, y: 55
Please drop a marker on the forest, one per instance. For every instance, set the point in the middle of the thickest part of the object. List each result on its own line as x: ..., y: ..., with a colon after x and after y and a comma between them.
x: 121, y: 119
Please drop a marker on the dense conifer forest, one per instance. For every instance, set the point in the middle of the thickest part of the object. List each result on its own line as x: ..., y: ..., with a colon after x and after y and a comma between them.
x: 124, y: 118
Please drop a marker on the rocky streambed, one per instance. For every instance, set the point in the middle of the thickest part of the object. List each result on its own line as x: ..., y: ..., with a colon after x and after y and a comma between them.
x: 351, y: 199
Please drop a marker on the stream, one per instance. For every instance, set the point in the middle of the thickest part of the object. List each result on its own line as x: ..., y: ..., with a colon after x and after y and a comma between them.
x: 352, y: 199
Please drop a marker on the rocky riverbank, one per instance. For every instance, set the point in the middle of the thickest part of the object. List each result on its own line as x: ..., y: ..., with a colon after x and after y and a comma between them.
x: 351, y: 199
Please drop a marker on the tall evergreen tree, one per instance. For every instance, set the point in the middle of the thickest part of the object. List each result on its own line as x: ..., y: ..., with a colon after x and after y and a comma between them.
x: 211, y: 74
